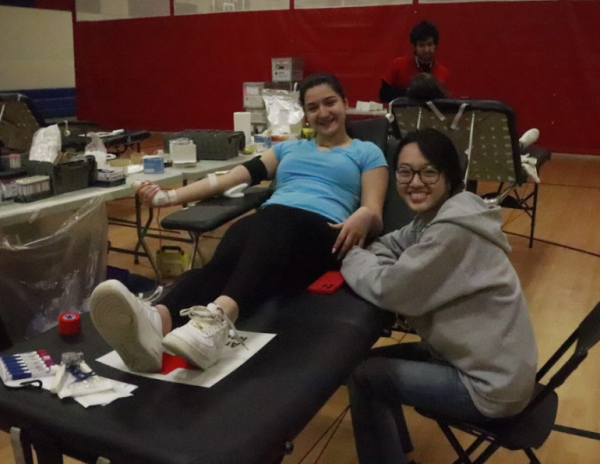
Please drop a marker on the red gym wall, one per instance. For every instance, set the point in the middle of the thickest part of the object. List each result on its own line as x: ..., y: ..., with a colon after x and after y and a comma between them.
x: 172, y: 73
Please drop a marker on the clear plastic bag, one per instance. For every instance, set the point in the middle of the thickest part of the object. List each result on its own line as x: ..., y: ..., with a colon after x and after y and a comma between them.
x: 50, y: 266
x: 284, y: 111
x: 46, y: 144
x: 96, y: 149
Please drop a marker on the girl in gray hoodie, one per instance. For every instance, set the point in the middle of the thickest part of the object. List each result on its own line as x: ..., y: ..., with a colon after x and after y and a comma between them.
x: 448, y: 273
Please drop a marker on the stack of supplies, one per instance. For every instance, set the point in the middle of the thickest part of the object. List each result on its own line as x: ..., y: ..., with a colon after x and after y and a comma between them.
x: 32, y: 188
x: 110, y: 177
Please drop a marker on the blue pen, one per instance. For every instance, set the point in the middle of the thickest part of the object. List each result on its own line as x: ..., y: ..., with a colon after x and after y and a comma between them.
x: 16, y: 367
x: 34, y: 365
x: 20, y: 376
x: 28, y: 365
x: 15, y: 373
x: 23, y: 367
x: 18, y: 356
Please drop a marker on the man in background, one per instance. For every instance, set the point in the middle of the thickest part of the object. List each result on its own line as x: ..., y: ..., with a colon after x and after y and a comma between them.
x: 424, y: 38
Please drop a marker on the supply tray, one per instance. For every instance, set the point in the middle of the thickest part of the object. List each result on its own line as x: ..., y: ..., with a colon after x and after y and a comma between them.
x: 212, y: 144
x: 65, y: 177
x: 109, y: 183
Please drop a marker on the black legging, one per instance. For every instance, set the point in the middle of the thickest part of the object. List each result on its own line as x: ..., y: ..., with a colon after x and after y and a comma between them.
x: 258, y: 255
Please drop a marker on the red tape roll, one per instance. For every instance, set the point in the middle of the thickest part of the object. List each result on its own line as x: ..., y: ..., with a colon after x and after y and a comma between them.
x: 69, y: 324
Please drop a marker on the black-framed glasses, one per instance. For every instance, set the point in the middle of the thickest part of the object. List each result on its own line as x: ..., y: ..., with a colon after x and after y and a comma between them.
x: 428, y: 174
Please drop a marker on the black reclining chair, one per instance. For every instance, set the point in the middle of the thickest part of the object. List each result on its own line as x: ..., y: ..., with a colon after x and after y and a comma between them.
x: 250, y: 417
x: 5, y: 341
x: 487, y: 131
x: 210, y: 214
x: 20, y: 120
x: 533, y: 425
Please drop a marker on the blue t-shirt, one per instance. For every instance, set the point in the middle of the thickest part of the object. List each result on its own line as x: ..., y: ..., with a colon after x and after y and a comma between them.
x: 321, y: 181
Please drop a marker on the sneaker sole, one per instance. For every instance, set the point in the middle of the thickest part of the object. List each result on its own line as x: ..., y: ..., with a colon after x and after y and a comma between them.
x: 115, y: 320
x: 181, y: 348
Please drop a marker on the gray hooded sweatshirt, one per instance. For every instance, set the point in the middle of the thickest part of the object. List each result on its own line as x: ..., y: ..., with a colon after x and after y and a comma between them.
x: 452, y: 280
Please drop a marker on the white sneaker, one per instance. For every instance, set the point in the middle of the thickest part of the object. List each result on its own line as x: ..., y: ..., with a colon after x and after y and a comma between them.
x: 201, y: 340
x: 529, y: 138
x: 131, y: 326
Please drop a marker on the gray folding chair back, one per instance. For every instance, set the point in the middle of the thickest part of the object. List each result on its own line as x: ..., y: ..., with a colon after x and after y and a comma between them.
x: 485, y: 131
x: 374, y: 130
x: 396, y: 213
x: 20, y: 119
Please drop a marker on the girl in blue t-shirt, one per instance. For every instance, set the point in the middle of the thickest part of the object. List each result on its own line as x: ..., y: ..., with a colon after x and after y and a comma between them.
x: 328, y: 198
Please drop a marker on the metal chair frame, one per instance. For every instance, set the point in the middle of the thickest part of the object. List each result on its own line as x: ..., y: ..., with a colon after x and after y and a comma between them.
x: 484, y: 130
x: 530, y: 428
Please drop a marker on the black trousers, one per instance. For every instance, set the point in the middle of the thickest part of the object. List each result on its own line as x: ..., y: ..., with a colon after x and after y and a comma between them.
x: 277, y: 247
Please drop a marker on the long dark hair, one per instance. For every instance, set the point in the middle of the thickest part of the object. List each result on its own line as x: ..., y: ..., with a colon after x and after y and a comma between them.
x: 319, y: 79
x: 425, y: 87
x: 439, y: 150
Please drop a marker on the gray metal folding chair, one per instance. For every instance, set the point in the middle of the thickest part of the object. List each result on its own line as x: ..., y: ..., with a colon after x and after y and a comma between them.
x: 485, y: 131
x: 20, y: 119
x: 530, y: 428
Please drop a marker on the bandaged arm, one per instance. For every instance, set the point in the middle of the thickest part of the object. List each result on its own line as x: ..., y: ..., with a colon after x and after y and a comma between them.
x: 216, y: 185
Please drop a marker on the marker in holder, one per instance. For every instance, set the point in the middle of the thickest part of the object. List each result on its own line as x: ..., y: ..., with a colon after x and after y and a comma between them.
x: 24, y: 366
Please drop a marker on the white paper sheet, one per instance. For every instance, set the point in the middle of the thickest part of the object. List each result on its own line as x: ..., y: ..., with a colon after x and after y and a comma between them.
x: 232, y: 357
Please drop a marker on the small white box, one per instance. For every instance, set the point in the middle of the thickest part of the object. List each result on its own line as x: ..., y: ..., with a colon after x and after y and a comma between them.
x: 289, y: 69
x: 252, y: 95
x: 368, y: 106
x: 110, y: 174
x: 183, y: 151
x: 153, y: 164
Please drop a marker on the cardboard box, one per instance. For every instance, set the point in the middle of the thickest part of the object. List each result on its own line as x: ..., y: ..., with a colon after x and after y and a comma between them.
x: 289, y: 69
x: 137, y: 158
x: 368, y: 106
x: 252, y: 96
x: 258, y: 117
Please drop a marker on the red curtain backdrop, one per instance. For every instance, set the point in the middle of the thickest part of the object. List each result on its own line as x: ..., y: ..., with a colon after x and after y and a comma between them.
x: 173, y: 73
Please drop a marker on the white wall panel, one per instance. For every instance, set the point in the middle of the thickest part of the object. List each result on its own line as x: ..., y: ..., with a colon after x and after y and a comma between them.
x: 302, y: 4
x: 36, y: 49
x: 187, y: 7
x: 100, y: 10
